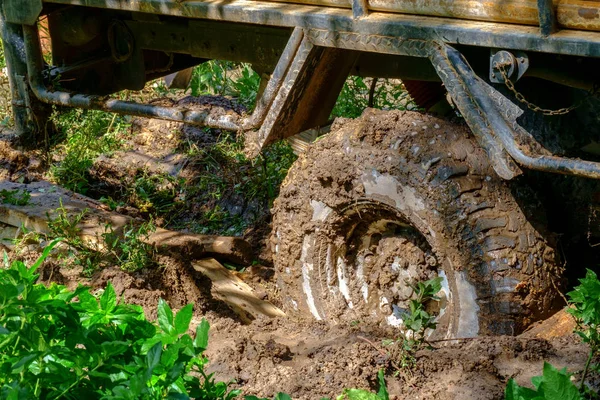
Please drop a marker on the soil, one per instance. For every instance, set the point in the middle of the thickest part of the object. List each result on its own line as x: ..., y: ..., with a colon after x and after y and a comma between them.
x: 306, y: 359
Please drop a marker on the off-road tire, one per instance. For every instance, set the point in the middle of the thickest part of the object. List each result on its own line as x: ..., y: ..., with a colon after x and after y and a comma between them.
x: 422, y: 173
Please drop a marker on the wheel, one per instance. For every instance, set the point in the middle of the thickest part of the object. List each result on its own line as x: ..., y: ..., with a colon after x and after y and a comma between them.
x: 394, y: 198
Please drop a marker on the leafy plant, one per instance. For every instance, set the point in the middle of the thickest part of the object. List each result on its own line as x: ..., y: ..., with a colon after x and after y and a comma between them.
x: 87, y: 134
x: 226, y: 78
x: 417, y: 323
x: 347, y: 394
x: 62, y: 344
x: 131, y: 250
x: 361, y: 394
x: 585, y: 299
x: 15, y: 197
x: 63, y: 225
x: 359, y: 93
x: 554, y: 384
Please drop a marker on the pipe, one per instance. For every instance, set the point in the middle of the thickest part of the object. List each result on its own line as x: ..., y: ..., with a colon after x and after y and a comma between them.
x: 506, y: 135
x: 34, y: 70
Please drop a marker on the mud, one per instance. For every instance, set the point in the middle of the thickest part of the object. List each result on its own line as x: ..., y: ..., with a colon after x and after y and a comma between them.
x: 303, y: 357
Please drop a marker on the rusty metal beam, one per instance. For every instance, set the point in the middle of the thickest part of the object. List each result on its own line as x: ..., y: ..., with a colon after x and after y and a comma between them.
x: 448, y: 30
x: 547, y: 17
x: 35, y: 64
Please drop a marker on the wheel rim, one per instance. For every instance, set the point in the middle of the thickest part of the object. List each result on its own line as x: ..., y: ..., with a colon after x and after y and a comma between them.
x: 367, y: 257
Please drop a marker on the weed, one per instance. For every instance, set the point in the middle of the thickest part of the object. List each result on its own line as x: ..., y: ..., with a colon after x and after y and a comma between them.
x: 128, y: 249
x: 156, y: 193
x: 54, y: 347
x: 131, y: 250
x: 87, y: 134
x: 585, y: 300
x: 554, y: 384
x: 15, y: 197
x: 226, y: 78
x: 347, y: 394
x: 359, y: 93
x: 361, y: 394
x: 417, y: 324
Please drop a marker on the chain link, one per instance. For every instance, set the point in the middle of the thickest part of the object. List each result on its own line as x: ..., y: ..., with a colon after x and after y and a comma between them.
x: 501, y: 67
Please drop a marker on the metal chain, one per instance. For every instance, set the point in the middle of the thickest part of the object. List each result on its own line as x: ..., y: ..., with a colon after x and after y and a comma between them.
x: 511, y: 86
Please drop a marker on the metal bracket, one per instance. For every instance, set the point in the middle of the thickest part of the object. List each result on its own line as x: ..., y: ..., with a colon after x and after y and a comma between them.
x: 547, y: 17
x: 22, y: 12
x: 360, y: 8
x: 517, y: 62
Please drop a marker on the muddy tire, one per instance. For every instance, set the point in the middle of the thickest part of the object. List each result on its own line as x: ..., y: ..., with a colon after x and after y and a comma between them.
x: 393, y: 198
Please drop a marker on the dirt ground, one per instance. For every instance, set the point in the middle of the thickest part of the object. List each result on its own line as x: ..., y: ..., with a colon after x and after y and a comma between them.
x: 306, y: 359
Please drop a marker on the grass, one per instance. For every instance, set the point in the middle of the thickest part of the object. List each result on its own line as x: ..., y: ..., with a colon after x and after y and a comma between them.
x: 127, y: 249
x: 83, y: 135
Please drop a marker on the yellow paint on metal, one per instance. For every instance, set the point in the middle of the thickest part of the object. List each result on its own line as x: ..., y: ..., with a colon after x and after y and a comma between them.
x: 571, y: 14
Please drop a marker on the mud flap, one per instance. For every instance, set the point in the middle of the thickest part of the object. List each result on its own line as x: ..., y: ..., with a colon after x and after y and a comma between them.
x: 308, y: 94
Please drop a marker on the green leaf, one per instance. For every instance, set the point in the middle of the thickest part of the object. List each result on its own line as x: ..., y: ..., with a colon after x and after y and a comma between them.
x: 108, y: 300
x: 165, y: 317
x: 153, y: 356
x: 44, y: 255
x: 282, y: 396
x: 183, y: 319
x: 557, y: 385
x: 383, y: 393
x: 359, y: 394
x: 201, y: 340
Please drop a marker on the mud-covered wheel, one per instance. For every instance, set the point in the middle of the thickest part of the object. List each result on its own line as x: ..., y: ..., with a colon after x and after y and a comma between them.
x: 393, y: 198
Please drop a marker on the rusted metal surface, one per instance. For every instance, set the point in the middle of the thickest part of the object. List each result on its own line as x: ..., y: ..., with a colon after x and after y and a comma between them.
x: 264, y: 102
x: 579, y: 14
x: 500, y: 116
x: 547, y: 17
x: 224, y: 120
x: 424, y: 94
x: 448, y: 30
x: 308, y: 94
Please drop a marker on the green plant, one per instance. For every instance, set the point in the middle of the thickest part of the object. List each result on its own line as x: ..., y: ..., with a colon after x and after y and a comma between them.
x: 86, y: 134
x: 417, y: 323
x: 62, y: 344
x: 585, y: 301
x: 156, y: 193
x: 15, y: 197
x: 361, y: 394
x: 347, y: 394
x: 131, y: 250
x: 66, y: 226
x: 554, y: 384
x: 128, y: 249
x: 226, y: 78
x: 359, y: 93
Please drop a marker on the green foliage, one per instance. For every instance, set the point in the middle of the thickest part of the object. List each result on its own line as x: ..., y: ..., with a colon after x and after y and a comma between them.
x: 87, y: 134
x: 554, y: 384
x: 62, y: 344
x: 131, y: 250
x: 278, y: 396
x: 348, y: 394
x: 357, y: 92
x: 224, y: 170
x: 417, y: 323
x: 15, y: 197
x: 360, y: 394
x: 226, y: 78
x: 156, y: 193
x: 585, y: 301
x: 128, y: 248
x: 66, y: 226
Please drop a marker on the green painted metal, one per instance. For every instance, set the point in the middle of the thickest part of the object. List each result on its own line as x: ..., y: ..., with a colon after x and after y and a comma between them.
x: 22, y: 12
